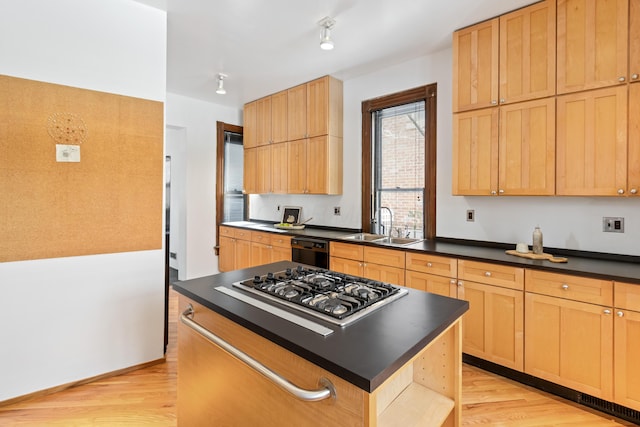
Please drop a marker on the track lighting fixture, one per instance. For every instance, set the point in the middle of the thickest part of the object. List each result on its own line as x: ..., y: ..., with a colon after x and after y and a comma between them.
x: 325, y: 33
x: 221, y: 90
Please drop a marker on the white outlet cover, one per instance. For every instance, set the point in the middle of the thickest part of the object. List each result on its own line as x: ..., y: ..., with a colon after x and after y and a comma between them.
x: 67, y: 153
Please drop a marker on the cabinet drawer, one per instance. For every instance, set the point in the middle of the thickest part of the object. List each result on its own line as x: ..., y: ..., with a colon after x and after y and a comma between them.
x: 390, y: 257
x: 346, y: 250
x: 432, y: 264
x: 492, y: 274
x: 227, y: 231
x: 261, y: 237
x: 627, y: 296
x: 577, y: 288
x: 242, y: 234
x: 281, y: 241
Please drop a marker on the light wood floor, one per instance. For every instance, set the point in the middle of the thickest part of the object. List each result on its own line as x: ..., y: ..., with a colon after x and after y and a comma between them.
x: 147, y: 397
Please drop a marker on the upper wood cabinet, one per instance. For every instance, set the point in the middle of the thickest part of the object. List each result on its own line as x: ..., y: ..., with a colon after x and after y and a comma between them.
x: 634, y: 41
x: 515, y: 158
x: 528, y: 53
x: 592, y: 44
x: 315, y: 109
x: 250, y: 119
x: 592, y: 143
x: 633, y: 142
x: 475, y: 66
x: 507, y: 59
x: 249, y: 172
x: 303, y: 128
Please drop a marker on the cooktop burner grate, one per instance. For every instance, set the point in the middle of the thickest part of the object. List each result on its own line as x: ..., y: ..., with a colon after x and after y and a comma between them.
x: 336, y: 297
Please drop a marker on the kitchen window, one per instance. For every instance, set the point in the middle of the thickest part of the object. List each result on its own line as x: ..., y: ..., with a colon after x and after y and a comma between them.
x: 399, y: 164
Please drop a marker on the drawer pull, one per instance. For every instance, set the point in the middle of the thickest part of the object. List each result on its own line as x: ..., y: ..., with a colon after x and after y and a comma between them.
x: 620, y: 314
x: 452, y: 281
x: 327, y: 391
x: 459, y: 282
x: 606, y: 311
x: 429, y: 264
x: 487, y: 273
x: 565, y: 287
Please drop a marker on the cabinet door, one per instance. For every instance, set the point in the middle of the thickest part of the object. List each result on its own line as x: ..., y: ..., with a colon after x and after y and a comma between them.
x: 528, y: 53
x: 249, y: 171
x: 263, y: 169
x: 475, y: 153
x: 592, y: 143
x: 347, y: 250
x: 263, y: 120
x: 383, y: 273
x: 296, y: 175
x: 475, y: 66
x: 279, y: 117
x: 250, y: 123
x: 260, y: 253
x: 227, y: 254
x: 318, y: 107
x: 592, y: 44
x: 493, y: 328
x: 440, y: 285
x: 634, y: 40
x: 297, y: 113
x: 570, y: 343
x: 627, y: 354
x: 243, y: 254
x: 280, y: 254
x: 346, y: 266
x: 279, y: 166
x: 317, y: 166
x: 633, y: 164
x: 527, y: 148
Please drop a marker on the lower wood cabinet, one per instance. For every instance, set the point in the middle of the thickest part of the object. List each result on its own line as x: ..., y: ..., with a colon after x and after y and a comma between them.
x: 493, y: 328
x: 385, y: 265
x: 432, y: 273
x: 241, y: 248
x: 569, y: 331
x: 626, y: 327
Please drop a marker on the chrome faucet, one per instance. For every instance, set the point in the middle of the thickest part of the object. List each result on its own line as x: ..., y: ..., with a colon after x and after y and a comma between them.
x: 390, y: 219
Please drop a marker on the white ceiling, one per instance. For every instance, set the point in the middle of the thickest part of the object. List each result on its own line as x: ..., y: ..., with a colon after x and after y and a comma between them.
x: 268, y: 45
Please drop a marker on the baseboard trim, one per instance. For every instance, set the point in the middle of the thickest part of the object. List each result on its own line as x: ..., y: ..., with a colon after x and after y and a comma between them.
x: 66, y: 386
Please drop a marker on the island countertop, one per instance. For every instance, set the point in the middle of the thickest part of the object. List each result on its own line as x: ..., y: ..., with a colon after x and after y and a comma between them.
x: 364, y: 353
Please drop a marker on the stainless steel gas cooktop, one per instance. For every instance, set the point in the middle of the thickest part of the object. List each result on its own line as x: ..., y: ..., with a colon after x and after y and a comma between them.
x: 335, y: 297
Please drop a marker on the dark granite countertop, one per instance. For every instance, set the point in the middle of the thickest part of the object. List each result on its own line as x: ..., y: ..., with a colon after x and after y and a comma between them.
x: 365, y: 353
x: 603, y: 266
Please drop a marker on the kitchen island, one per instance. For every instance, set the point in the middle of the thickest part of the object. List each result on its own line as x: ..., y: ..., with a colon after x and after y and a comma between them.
x: 398, y: 365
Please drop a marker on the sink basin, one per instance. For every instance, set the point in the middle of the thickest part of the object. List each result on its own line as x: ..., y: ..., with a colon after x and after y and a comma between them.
x: 367, y: 237
x: 398, y: 240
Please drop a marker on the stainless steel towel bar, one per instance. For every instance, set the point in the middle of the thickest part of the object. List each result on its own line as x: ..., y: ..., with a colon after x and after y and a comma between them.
x: 327, y: 391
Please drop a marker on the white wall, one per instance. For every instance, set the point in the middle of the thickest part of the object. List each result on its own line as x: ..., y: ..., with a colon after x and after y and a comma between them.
x: 68, y: 319
x: 567, y: 222
x: 197, y: 123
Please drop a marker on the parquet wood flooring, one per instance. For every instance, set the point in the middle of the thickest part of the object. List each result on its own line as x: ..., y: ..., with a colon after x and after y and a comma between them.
x: 147, y: 397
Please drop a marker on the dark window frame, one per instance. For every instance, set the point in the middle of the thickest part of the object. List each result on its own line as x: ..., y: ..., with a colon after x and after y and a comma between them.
x: 428, y: 94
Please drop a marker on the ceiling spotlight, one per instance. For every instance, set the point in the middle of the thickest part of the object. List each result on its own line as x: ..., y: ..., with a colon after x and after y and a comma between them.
x: 325, y: 34
x: 220, y: 90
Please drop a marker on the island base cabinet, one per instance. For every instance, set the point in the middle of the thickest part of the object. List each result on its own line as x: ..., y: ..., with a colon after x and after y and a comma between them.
x: 217, y: 389
x: 570, y: 343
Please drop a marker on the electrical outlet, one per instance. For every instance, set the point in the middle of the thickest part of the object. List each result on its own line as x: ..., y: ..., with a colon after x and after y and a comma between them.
x: 336, y: 210
x: 278, y: 208
x: 612, y: 224
x: 471, y: 215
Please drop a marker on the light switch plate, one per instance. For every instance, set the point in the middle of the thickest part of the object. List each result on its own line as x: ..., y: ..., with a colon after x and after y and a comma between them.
x: 67, y: 153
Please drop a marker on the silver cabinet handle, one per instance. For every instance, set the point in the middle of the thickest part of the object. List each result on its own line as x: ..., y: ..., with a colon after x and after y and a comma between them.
x: 502, y: 101
x: 327, y: 391
x: 501, y: 191
x: 487, y: 273
x: 494, y: 102
x: 460, y: 283
x: 493, y: 192
x: 565, y: 286
x: 606, y: 311
x: 620, y: 314
x: 429, y: 264
x: 452, y: 281
x: 633, y: 191
x: 634, y: 76
x: 620, y: 191
x: 622, y: 79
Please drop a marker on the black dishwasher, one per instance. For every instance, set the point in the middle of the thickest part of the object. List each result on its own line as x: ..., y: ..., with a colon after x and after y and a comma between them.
x: 310, y: 251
